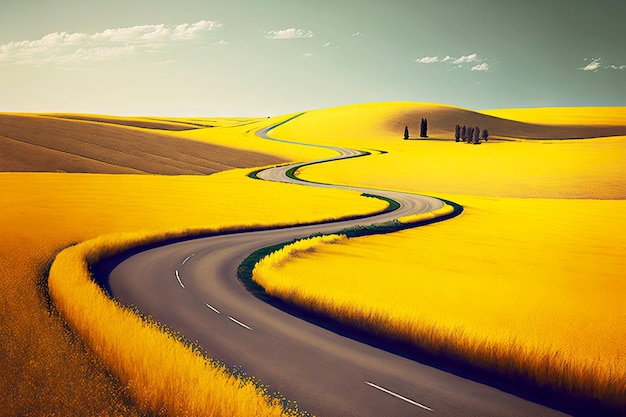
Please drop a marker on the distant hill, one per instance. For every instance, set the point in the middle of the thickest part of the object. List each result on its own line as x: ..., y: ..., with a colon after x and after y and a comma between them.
x: 102, y: 145
x: 391, y: 118
x: 598, y: 115
x: 443, y: 119
x: 142, y: 122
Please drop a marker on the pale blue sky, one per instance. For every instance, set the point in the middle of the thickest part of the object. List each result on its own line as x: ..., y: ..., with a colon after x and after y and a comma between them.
x: 246, y: 57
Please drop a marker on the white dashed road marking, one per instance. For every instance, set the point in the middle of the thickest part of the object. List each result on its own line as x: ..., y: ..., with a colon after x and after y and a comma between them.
x: 239, y: 323
x: 408, y: 400
x: 212, y: 308
x: 178, y: 278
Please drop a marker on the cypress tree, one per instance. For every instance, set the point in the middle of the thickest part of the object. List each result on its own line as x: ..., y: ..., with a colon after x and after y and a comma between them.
x: 424, y: 128
x: 457, y: 133
x: 406, y: 132
x: 464, y: 133
x: 470, y: 134
x: 485, y: 135
x: 477, y: 135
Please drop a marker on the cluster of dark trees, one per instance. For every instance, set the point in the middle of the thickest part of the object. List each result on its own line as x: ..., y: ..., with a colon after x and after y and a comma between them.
x: 470, y: 134
x: 461, y: 133
x: 423, y: 130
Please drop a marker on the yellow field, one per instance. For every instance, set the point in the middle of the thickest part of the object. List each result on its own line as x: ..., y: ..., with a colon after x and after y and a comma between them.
x: 534, y: 282
x: 564, y: 115
x: 131, y: 347
x: 241, y: 136
x: 523, y: 286
x: 528, y: 279
x: 552, y: 169
x: 564, y: 169
x: 46, y: 370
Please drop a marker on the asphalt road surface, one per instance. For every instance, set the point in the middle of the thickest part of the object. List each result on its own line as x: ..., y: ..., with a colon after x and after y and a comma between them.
x: 192, y: 287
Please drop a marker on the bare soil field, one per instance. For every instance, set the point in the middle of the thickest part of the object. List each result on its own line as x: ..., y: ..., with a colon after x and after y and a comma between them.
x: 44, y: 144
x: 141, y: 122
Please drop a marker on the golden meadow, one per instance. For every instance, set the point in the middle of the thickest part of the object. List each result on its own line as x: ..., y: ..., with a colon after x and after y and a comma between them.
x: 524, y: 287
x: 107, y: 365
x: 497, y: 236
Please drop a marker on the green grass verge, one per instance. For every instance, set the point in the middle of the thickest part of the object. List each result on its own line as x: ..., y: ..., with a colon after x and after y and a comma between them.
x: 244, y: 271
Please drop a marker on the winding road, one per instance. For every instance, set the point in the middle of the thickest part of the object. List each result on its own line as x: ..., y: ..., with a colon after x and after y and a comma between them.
x: 192, y: 287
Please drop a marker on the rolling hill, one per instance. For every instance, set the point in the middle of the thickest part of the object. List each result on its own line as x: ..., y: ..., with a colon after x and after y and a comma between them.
x: 373, y: 120
x: 51, y: 144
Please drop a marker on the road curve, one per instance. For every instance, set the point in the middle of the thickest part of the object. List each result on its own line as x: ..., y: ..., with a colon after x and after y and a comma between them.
x: 191, y: 286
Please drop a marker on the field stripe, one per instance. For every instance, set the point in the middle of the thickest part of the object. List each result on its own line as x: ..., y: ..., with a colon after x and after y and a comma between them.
x: 408, y: 400
x: 188, y: 258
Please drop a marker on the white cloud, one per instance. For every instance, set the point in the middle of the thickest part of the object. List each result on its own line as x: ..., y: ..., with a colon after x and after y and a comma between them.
x: 291, y: 33
x: 428, y: 60
x: 194, y: 30
x: 327, y: 44
x: 63, y: 48
x: 466, y: 58
x: 157, y: 32
x: 100, y: 53
x: 457, y: 62
x: 357, y: 34
x: 595, y: 64
x: 308, y: 54
x: 481, y: 67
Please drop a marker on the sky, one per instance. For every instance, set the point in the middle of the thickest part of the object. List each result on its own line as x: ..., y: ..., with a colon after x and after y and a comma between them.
x: 271, y: 57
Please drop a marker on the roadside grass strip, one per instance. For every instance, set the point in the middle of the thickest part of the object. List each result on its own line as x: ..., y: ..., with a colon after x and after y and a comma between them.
x: 245, y: 271
x: 46, y: 212
x: 153, y: 361
x: 446, y: 210
x: 544, y: 325
x: 130, y: 345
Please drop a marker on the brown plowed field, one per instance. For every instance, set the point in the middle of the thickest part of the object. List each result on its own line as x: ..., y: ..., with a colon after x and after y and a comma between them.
x: 46, y: 144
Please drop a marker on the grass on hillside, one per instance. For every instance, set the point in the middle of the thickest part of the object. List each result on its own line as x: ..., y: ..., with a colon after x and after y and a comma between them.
x: 364, y: 125
x: 602, y: 116
x: 524, y: 287
x: 565, y: 169
x: 550, y: 168
x: 42, y: 213
x: 131, y: 346
x: 533, y: 296
x: 242, y: 137
x: 50, y: 211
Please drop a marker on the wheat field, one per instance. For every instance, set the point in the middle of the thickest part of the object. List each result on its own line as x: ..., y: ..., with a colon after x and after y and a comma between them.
x: 47, y: 370
x: 527, y: 282
x: 535, y: 295
x: 537, y: 251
